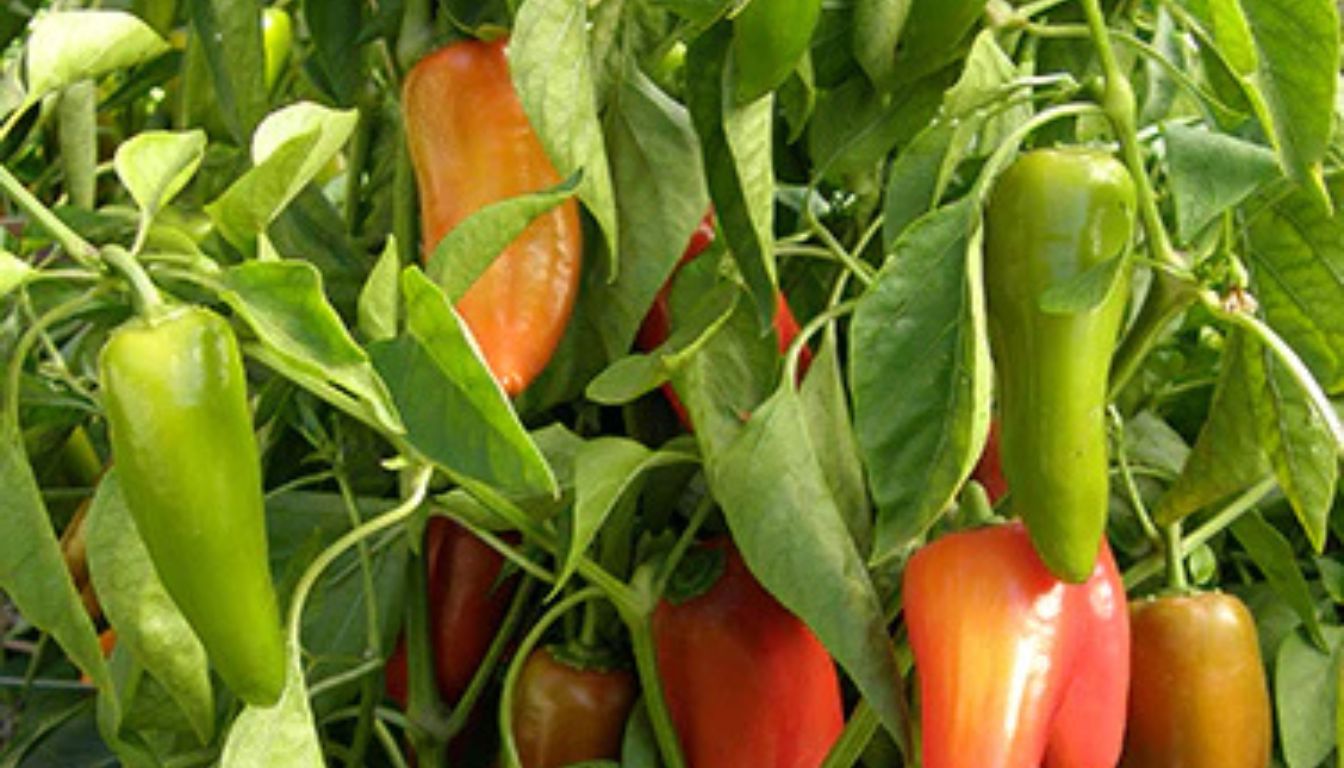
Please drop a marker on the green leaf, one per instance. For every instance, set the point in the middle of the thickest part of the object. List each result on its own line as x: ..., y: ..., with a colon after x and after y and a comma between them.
x: 736, y: 145
x: 877, y: 29
x: 916, y: 179
x: 933, y: 29
x: 1295, y: 438
x: 1210, y: 173
x: 660, y: 198
x: 628, y: 379
x: 1085, y: 290
x: 1273, y: 555
x: 921, y: 434
x: 560, y: 102
x: 795, y: 541
x: 1306, y: 697
x: 380, y: 298
x: 146, y: 619
x: 32, y: 573
x: 289, y: 149
x: 828, y: 423
x: 229, y: 32
x: 282, y: 734
x: 65, y: 47
x: 156, y: 165
x: 14, y: 272
x: 468, y: 250
x: 607, y: 470
x: 283, y: 303
x: 1297, y: 74
x: 1227, y: 456
x: 456, y: 413
x: 855, y: 127
x: 1295, y: 252
x: 336, y: 27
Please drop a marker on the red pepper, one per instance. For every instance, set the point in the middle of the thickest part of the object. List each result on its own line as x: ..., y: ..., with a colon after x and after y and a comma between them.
x: 1012, y: 660
x: 657, y: 323
x: 471, y: 145
x: 565, y: 713
x: 746, y: 682
x: 1089, y: 729
x: 989, y: 470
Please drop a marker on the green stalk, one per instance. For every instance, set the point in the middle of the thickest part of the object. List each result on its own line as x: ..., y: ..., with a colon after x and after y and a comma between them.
x: 79, y: 249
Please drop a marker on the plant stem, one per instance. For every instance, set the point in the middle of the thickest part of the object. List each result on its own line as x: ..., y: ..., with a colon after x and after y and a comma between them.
x: 854, y: 739
x: 1175, y: 557
x: 79, y: 249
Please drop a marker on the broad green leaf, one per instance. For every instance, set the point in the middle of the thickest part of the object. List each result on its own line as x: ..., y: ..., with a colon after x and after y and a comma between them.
x: 336, y: 27
x: 877, y: 29
x: 456, y: 414
x: 156, y: 165
x: 1296, y: 440
x: 826, y: 407
x: 560, y: 102
x: 736, y: 144
x: 855, y: 127
x: 283, y: 734
x: 1085, y: 290
x: 795, y: 541
x: 607, y: 470
x: 381, y: 296
x: 627, y: 379
x: 1273, y: 555
x: 146, y: 619
x: 283, y: 303
x: 982, y: 80
x: 229, y: 33
x: 65, y: 47
x: 1210, y: 173
x: 1297, y: 73
x: 1227, y: 456
x: 914, y: 181
x: 921, y: 432
x: 933, y: 30
x: 1295, y: 253
x: 14, y: 272
x: 1306, y: 697
x: 290, y: 147
x: 660, y: 198
x: 468, y: 250
x: 32, y: 573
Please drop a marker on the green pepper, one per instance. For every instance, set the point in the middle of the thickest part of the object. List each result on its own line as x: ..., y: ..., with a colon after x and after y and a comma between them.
x: 1055, y: 215
x: 769, y: 39
x: 176, y: 401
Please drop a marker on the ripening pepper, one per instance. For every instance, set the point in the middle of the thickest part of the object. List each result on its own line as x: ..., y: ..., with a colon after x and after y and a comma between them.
x: 1054, y: 215
x: 1011, y: 661
x: 1198, y: 697
x: 746, y: 682
x: 566, y: 711
x: 657, y: 324
x: 175, y: 395
x: 471, y: 145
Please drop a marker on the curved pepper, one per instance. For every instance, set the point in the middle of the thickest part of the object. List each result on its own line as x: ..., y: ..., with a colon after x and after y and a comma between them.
x: 564, y: 713
x: 1199, y: 697
x: 746, y: 682
x: 1054, y: 215
x: 176, y: 400
x: 471, y: 145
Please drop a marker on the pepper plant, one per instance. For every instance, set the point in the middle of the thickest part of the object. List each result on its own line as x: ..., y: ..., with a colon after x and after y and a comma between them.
x: 442, y: 382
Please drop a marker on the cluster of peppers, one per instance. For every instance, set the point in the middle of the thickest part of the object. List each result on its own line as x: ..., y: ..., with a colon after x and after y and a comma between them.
x: 1026, y: 649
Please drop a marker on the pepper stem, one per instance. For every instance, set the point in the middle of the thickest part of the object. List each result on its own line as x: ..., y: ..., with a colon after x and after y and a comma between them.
x: 1171, y: 541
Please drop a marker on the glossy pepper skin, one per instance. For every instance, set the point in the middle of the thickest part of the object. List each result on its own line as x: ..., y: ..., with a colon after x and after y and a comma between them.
x: 657, y: 325
x: 176, y: 401
x: 1199, y: 697
x: 471, y: 145
x: 1053, y: 215
x: 995, y: 637
x: 769, y: 38
x: 1088, y: 731
x: 746, y: 682
x: 564, y: 713
x: 989, y: 469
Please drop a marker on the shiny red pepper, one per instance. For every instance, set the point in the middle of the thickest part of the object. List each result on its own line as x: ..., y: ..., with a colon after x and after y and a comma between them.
x: 746, y: 682
x: 1012, y: 661
x: 657, y: 323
